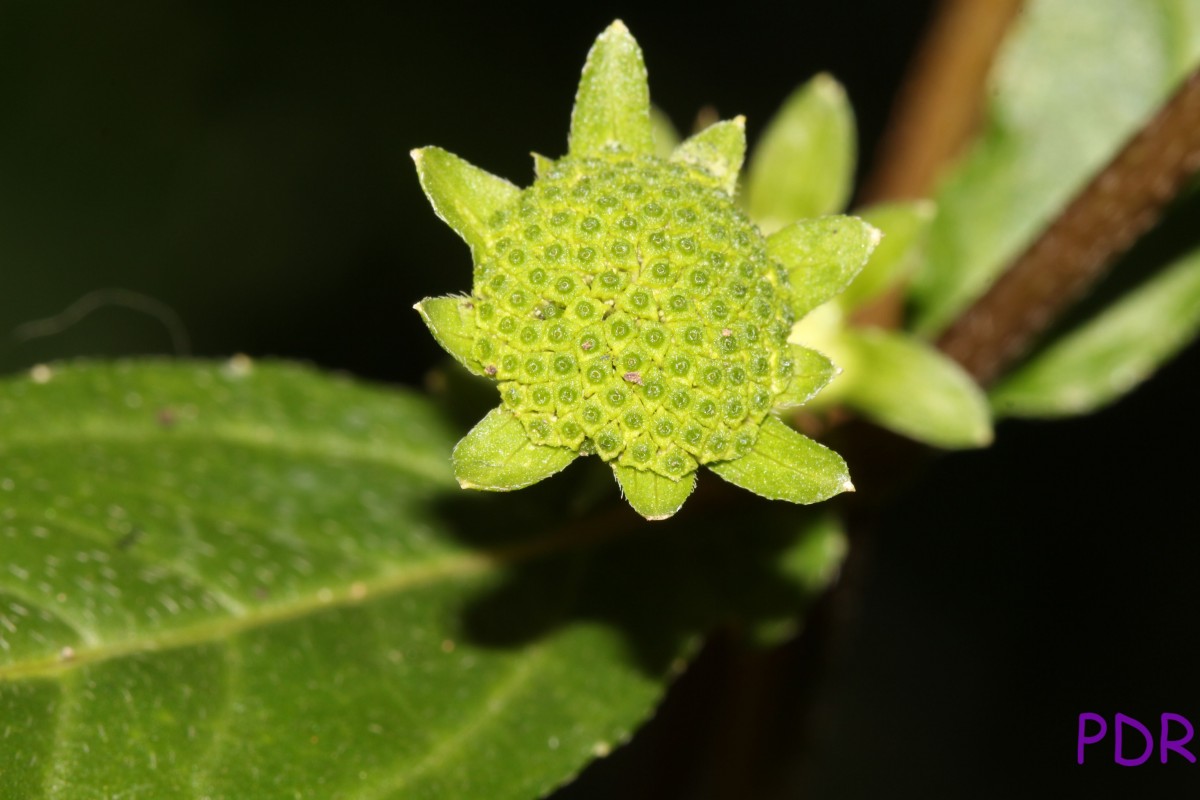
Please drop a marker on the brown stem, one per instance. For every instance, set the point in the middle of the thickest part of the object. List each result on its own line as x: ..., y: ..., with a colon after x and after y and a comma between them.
x: 1100, y: 224
x: 940, y: 104
x: 935, y: 115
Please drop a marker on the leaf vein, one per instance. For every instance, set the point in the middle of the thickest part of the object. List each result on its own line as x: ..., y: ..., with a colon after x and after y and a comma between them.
x: 459, y: 566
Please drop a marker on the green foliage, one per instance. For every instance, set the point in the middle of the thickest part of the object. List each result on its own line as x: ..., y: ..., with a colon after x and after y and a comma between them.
x: 464, y: 196
x: 256, y: 580
x: 1070, y: 88
x: 839, y: 263
x: 804, y: 164
x: 652, y: 495
x: 822, y: 256
x: 897, y: 381
x: 718, y: 150
x: 497, y: 455
x: 813, y: 370
x: 244, y: 581
x: 451, y: 320
x: 786, y: 465
x: 910, y: 388
x: 1110, y: 354
x: 905, y: 228
x: 612, y: 107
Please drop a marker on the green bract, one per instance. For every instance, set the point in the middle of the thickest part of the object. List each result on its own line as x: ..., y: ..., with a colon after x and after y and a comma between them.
x: 804, y: 167
x: 627, y: 307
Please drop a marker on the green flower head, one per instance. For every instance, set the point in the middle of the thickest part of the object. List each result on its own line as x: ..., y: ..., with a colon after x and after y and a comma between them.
x: 628, y: 308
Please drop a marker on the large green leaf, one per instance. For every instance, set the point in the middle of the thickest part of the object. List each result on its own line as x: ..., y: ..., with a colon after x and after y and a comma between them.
x: 256, y: 581
x: 1107, y: 356
x: 1072, y: 84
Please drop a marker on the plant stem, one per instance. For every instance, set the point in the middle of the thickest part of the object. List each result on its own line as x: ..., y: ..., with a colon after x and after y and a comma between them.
x: 936, y: 113
x: 1101, y: 223
x: 942, y: 99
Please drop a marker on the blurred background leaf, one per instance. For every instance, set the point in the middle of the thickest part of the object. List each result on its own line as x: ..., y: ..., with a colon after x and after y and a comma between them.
x: 910, y: 388
x: 1106, y: 357
x: 1069, y: 89
x: 804, y: 163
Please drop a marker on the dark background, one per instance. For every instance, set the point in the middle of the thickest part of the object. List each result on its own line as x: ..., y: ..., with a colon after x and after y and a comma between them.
x: 247, y: 165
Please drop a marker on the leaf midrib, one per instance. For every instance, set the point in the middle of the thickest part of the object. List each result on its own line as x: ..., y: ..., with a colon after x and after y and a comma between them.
x: 249, y: 437
x: 460, y: 566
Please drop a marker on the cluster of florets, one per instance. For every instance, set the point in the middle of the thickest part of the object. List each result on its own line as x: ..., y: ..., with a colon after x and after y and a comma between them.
x: 629, y: 308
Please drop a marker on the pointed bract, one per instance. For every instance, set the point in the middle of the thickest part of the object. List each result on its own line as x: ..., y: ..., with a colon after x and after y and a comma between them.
x: 497, y: 455
x: 652, y: 495
x: 822, y: 256
x: 905, y: 227
x: 909, y: 387
x: 803, y: 165
x: 452, y: 322
x: 786, y: 465
x: 612, y: 106
x: 464, y: 196
x: 541, y: 165
x: 718, y: 150
x: 811, y: 372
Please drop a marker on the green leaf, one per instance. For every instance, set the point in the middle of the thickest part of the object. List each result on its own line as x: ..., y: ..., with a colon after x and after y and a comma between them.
x: 612, y: 106
x: 497, y: 455
x: 666, y: 138
x: 905, y: 228
x: 822, y: 256
x: 244, y: 581
x: 909, y: 387
x: 652, y: 495
x: 786, y: 465
x: 452, y: 322
x: 718, y: 150
x: 464, y: 196
x: 1110, y: 354
x: 811, y: 372
x: 804, y: 164
x: 1072, y: 84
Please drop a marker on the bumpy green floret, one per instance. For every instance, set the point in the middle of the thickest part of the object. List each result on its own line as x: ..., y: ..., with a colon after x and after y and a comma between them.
x: 630, y: 309
x: 626, y: 307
